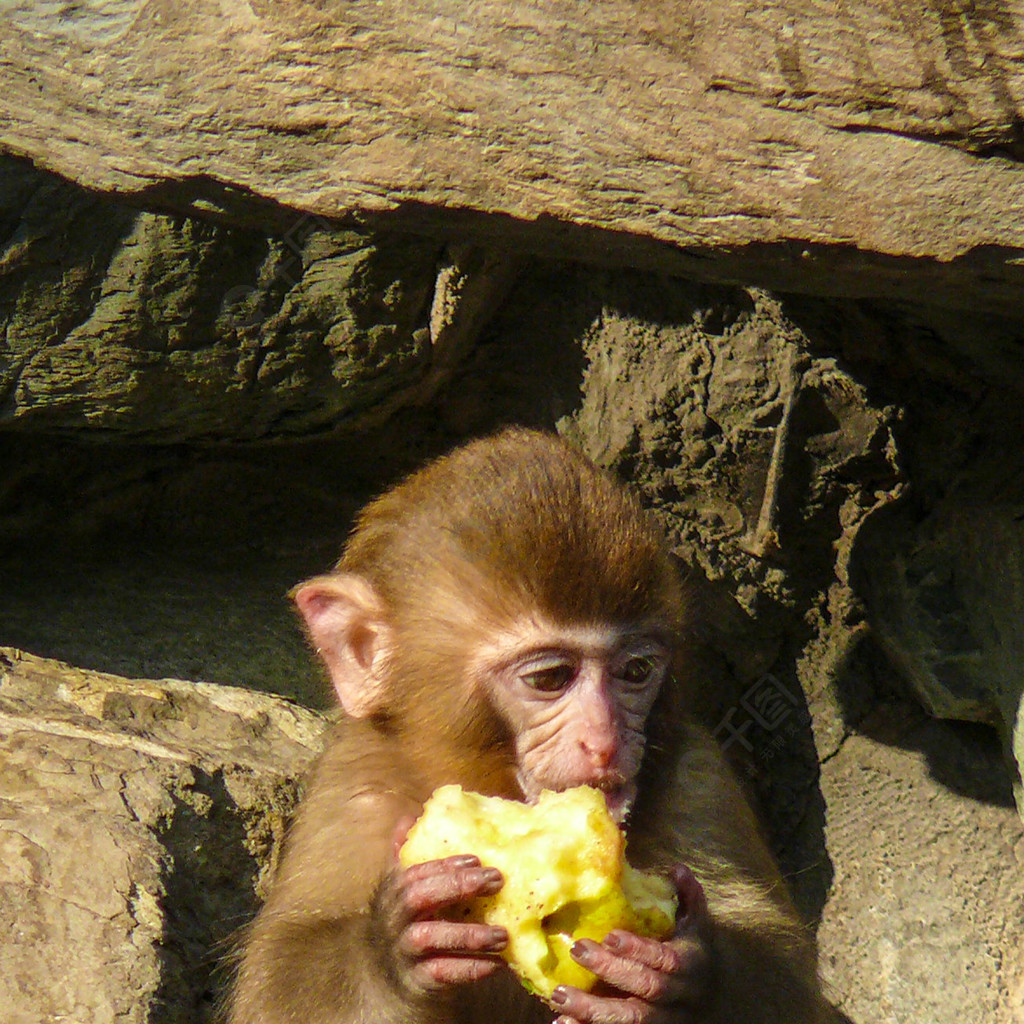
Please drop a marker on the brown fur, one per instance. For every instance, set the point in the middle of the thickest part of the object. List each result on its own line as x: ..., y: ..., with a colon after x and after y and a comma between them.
x: 514, y: 523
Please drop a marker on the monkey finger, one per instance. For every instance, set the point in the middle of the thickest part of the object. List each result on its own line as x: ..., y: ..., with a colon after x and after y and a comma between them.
x: 458, y: 879
x: 627, y: 975
x: 401, y: 833
x: 439, y: 972
x: 423, y: 890
x: 430, y: 868
x: 659, y: 956
x: 424, y: 938
x: 685, y: 959
x: 693, y: 903
x: 588, y: 1008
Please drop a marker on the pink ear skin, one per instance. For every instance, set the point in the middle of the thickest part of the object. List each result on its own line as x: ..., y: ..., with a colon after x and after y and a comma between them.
x: 345, y: 621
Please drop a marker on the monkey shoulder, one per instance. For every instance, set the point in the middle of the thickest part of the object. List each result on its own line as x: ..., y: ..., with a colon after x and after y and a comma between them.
x: 687, y: 770
x: 341, y: 841
x: 693, y: 809
x: 363, y: 765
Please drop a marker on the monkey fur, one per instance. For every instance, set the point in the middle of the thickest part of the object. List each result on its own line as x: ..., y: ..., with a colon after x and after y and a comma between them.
x: 446, y: 581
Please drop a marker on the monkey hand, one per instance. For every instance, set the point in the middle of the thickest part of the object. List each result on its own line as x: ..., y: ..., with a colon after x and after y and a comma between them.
x: 644, y: 981
x: 423, y: 952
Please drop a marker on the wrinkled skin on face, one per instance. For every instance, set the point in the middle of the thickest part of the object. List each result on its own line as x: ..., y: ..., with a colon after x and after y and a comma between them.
x: 576, y: 700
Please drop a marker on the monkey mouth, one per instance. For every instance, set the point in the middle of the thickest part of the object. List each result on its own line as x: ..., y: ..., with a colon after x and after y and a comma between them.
x: 619, y: 794
x: 619, y: 797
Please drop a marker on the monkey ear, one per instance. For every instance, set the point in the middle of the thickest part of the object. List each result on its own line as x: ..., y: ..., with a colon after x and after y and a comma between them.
x: 346, y: 622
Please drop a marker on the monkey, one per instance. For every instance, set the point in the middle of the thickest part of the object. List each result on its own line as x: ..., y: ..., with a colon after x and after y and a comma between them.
x: 509, y: 618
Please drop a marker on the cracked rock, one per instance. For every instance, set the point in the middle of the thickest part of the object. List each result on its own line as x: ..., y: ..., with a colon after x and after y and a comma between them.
x: 138, y: 821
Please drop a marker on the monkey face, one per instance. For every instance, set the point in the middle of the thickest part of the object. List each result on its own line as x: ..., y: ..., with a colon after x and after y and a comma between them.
x: 576, y: 700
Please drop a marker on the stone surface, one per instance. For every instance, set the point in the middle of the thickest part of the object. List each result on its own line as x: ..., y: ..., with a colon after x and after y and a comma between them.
x: 138, y: 822
x: 130, y: 323
x: 924, y: 920
x: 832, y: 471
x: 161, y: 328
x: 950, y: 604
x: 797, y: 144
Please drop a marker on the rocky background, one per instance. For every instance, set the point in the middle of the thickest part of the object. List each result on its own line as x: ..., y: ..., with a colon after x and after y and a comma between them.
x: 257, y: 263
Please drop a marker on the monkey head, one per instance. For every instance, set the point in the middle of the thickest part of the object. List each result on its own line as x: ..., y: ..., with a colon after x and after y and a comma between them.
x: 514, y: 609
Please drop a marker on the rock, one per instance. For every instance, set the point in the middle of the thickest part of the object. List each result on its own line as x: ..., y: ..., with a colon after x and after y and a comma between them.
x: 950, y: 605
x: 923, y: 922
x: 138, y: 822
x: 841, y: 150
x: 126, y: 323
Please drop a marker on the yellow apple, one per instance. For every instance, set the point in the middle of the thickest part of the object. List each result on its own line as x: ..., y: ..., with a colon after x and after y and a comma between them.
x: 566, y: 876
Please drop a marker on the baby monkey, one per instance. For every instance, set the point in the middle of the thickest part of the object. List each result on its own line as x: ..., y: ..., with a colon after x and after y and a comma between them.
x: 508, y: 619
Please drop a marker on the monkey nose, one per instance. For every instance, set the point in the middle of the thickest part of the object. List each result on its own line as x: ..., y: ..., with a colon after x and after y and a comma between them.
x: 600, y: 751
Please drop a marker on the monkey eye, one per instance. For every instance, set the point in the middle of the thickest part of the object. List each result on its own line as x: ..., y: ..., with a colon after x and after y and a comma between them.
x: 636, y: 671
x: 550, y: 679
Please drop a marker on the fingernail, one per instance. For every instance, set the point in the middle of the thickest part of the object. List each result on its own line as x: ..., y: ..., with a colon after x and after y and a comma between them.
x: 581, y: 952
x: 491, y: 879
x: 612, y: 941
x: 465, y: 860
x: 559, y: 997
x: 498, y: 938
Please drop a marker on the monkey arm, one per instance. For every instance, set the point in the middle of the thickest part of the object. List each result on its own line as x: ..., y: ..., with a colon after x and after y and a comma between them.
x: 386, y: 964
x: 309, y: 954
x: 763, y: 958
x: 344, y: 935
x: 316, y: 969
